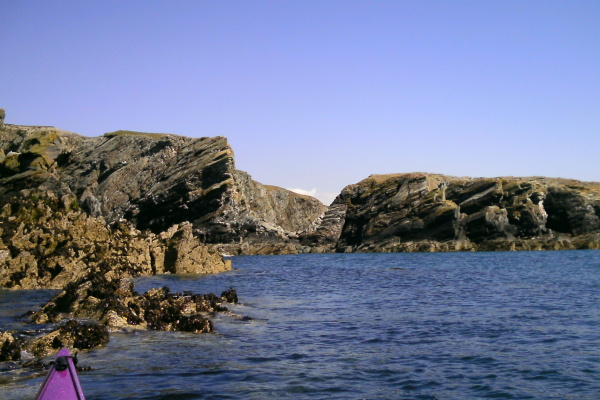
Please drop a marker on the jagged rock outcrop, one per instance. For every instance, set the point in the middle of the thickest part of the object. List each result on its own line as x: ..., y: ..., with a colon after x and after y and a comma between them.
x: 115, y: 304
x: 431, y: 212
x: 157, y: 180
x: 47, y: 242
x: 85, y: 312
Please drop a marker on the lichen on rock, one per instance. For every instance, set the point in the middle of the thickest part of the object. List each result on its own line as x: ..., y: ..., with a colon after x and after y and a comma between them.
x: 430, y: 212
x: 47, y: 242
x: 155, y: 181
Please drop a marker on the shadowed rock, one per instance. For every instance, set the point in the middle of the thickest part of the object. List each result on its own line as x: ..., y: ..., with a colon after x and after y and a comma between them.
x: 10, y: 349
x: 230, y: 296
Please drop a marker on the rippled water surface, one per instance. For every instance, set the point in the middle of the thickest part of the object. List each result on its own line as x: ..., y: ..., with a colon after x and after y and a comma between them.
x: 366, y: 326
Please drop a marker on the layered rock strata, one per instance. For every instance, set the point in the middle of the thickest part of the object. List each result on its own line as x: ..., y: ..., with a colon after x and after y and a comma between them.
x: 431, y: 212
x: 158, y: 180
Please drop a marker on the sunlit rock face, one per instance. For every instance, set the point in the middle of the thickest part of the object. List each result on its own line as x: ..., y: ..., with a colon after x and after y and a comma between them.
x: 152, y: 183
x: 47, y: 242
x: 432, y: 212
x: 155, y: 181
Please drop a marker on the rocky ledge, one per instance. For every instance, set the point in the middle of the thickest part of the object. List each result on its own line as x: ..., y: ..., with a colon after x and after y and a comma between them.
x: 432, y: 212
x: 81, y: 316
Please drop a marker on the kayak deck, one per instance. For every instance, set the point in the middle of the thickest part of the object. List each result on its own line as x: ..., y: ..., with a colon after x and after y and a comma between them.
x: 62, y: 381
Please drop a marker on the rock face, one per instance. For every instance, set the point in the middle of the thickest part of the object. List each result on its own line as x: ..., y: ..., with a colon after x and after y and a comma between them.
x: 430, y: 212
x: 70, y: 208
x: 47, y: 242
x: 177, y: 193
x: 155, y: 181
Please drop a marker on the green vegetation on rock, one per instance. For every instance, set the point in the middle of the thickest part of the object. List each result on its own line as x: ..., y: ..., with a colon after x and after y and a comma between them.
x: 134, y: 133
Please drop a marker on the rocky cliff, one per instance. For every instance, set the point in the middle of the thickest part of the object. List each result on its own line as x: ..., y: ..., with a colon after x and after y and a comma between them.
x: 87, y: 214
x: 431, y: 212
x: 155, y: 181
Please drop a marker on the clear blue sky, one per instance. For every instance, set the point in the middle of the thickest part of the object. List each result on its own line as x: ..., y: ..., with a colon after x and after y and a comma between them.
x: 316, y: 95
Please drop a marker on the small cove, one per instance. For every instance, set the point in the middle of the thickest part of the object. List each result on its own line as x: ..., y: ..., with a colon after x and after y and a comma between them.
x: 352, y: 326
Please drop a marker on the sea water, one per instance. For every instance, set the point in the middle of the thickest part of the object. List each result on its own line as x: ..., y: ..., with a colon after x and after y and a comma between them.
x: 520, y: 325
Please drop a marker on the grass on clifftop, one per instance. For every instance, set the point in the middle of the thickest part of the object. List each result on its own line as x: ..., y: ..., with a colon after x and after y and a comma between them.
x: 134, y: 133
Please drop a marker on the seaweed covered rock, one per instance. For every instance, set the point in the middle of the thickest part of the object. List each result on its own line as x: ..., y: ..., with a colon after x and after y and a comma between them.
x: 230, y: 296
x: 89, y: 297
x: 72, y: 334
x: 47, y: 241
x: 116, y: 305
x: 166, y: 311
x: 86, y: 310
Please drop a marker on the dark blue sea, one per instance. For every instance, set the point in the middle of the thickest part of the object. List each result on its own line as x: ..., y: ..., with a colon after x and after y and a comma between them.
x: 504, y: 325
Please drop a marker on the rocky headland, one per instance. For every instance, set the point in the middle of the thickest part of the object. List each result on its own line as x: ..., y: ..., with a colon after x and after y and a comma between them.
x: 432, y: 212
x: 155, y: 181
